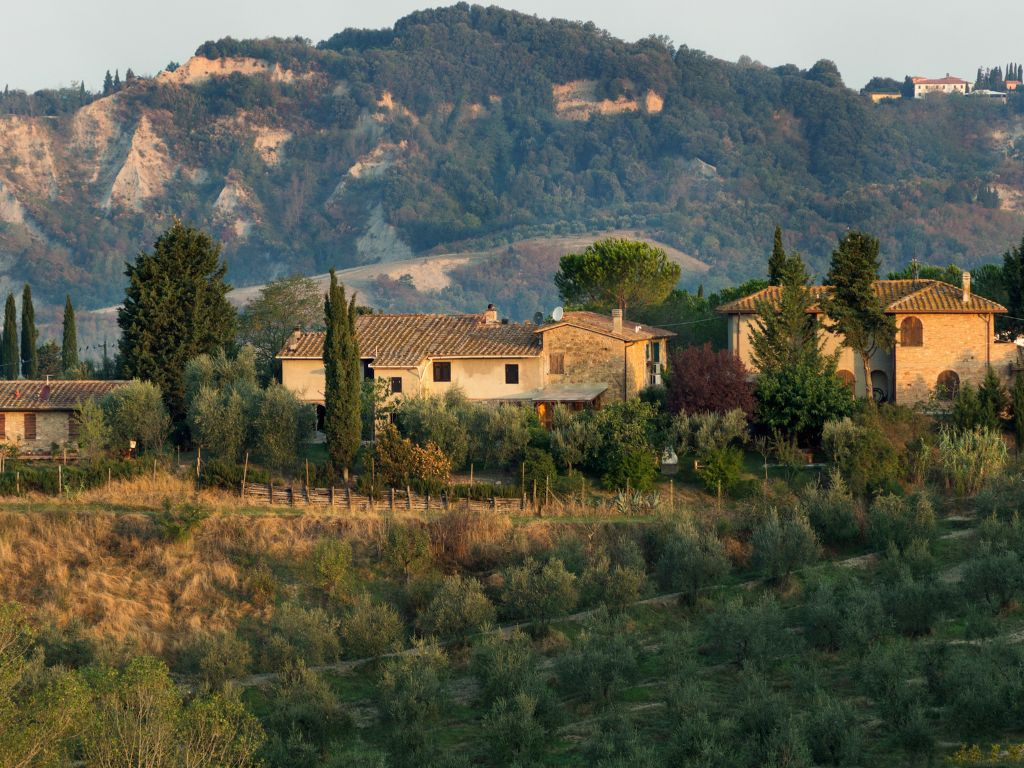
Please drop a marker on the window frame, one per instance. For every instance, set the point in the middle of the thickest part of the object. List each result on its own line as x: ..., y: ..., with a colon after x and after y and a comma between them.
x: 396, y: 380
x: 442, y: 371
x: 559, y: 369
x: 911, y: 332
x: 511, y: 373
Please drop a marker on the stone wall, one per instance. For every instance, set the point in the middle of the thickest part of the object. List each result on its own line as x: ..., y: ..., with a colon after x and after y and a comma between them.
x: 594, y: 358
x: 960, y: 343
x: 51, y: 429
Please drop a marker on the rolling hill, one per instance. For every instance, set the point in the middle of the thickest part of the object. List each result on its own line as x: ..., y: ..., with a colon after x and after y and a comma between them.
x: 470, y: 130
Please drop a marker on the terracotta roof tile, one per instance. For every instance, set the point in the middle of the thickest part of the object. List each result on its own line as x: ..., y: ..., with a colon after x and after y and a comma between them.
x: 406, y: 340
x: 898, y: 296
x: 592, y: 321
x: 30, y: 395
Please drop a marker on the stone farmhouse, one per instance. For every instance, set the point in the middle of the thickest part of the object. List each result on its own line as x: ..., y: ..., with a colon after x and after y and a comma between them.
x: 944, y: 338
x: 35, y: 416
x: 582, y: 360
x: 924, y: 86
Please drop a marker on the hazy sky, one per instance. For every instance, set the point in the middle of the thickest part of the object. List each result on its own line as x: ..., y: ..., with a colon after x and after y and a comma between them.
x: 44, y: 43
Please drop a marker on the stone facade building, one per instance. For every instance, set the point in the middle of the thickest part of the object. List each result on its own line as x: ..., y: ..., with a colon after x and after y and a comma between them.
x: 36, y: 416
x: 944, y: 338
x: 583, y: 359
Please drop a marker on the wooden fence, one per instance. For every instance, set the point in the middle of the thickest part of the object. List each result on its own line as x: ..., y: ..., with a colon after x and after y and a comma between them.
x: 392, y: 500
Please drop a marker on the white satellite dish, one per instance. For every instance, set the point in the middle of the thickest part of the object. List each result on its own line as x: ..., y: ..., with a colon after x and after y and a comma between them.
x: 557, y: 314
x: 1019, y: 341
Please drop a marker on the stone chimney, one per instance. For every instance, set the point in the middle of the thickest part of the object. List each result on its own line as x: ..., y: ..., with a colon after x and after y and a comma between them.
x: 966, y: 281
x: 617, y: 320
x: 491, y: 314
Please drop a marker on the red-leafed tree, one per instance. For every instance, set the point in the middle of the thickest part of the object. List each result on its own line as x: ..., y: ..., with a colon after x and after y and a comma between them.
x: 703, y: 379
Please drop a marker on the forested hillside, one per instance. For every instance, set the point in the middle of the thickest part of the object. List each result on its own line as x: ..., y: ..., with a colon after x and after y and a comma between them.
x: 466, y: 128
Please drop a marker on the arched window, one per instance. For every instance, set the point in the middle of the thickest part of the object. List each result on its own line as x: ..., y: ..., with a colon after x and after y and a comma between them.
x: 947, y: 385
x: 848, y: 379
x: 911, y: 332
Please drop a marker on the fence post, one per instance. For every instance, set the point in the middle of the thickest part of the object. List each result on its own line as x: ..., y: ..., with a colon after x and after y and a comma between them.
x: 427, y: 511
x: 471, y: 473
x: 60, y: 479
x: 245, y: 472
x: 199, y: 460
x: 330, y: 493
x: 391, y: 504
x: 17, y: 482
x: 108, y: 478
x: 535, y: 508
x: 348, y: 496
x: 270, y: 488
x: 408, y: 498
x: 672, y: 494
x: 547, y: 490
x: 494, y: 503
x: 291, y: 495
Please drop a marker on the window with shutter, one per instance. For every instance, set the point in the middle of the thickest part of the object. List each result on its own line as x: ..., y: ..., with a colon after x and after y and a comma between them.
x: 556, y: 362
x: 30, y: 426
x: 3, y: 425
x: 73, y: 424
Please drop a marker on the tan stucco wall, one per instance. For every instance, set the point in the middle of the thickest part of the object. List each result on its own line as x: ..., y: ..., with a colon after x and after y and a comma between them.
x: 956, y: 342
x: 960, y: 343
x: 595, y: 358
x: 51, y: 428
x: 479, y: 378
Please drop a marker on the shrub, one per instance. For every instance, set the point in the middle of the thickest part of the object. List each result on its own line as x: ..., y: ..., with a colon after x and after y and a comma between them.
x: 281, y: 424
x: 781, y: 545
x: 302, y: 710
x: 538, y: 592
x: 506, y: 434
x: 93, y: 431
x: 833, y: 731
x: 840, y: 613
x: 704, y: 379
x: 995, y: 577
x: 602, y: 659
x: 633, y: 467
x: 399, y: 462
x: 458, y: 609
x: 539, y: 468
x: 176, y: 524
x: 621, y: 446
x: 224, y: 657
x: 513, y: 731
x: 689, y: 559
x: 504, y: 666
x: 915, y: 605
x: 436, y: 420
x: 412, y: 695
x: 897, y: 521
x: 137, y: 412
x: 772, y: 734
x: 979, y: 685
x: 832, y: 511
x: 405, y: 549
x: 309, y: 634
x: 330, y: 567
x: 370, y: 629
x: 739, y: 633
x: 838, y: 438
x: 969, y: 458
x: 869, y: 463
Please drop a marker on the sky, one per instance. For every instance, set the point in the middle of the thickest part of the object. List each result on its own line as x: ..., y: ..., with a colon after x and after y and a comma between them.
x: 48, y: 43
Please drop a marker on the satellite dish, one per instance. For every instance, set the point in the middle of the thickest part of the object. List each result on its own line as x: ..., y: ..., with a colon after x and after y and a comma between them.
x: 557, y: 314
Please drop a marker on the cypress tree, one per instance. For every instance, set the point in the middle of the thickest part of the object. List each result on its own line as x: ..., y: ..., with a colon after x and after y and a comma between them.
x: 29, y: 335
x: 853, y: 308
x: 175, y: 308
x: 342, y: 369
x: 777, y: 261
x: 108, y: 84
x: 9, y: 351
x: 69, y: 365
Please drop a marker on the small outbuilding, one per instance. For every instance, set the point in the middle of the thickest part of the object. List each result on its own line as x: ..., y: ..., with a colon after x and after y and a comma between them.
x: 35, y: 416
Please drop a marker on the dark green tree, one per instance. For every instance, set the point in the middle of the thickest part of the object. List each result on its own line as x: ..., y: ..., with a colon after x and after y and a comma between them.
x: 777, y: 261
x: 615, y: 273
x: 175, y: 309
x: 29, y: 335
x: 1013, y: 282
x: 342, y: 369
x: 9, y: 346
x: 108, y: 84
x: 1017, y: 405
x: 797, y: 389
x: 854, y: 309
x: 69, y: 363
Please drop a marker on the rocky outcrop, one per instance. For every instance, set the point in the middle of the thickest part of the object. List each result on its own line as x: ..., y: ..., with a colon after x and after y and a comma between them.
x: 145, y: 171
x: 577, y: 100
x: 27, y: 157
x: 199, y: 68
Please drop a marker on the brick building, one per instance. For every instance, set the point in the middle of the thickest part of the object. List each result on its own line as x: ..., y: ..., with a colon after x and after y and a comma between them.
x: 583, y: 359
x: 944, y: 338
x: 35, y: 416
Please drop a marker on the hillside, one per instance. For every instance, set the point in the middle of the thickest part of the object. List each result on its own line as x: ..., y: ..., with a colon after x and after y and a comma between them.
x: 466, y: 129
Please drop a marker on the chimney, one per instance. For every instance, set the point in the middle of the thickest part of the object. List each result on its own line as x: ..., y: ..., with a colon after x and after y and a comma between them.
x: 491, y: 314
x: 966, y: 278
x: 617, y: 320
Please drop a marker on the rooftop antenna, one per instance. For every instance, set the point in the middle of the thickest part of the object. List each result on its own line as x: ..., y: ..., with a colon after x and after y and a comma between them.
x: 915, y: 267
